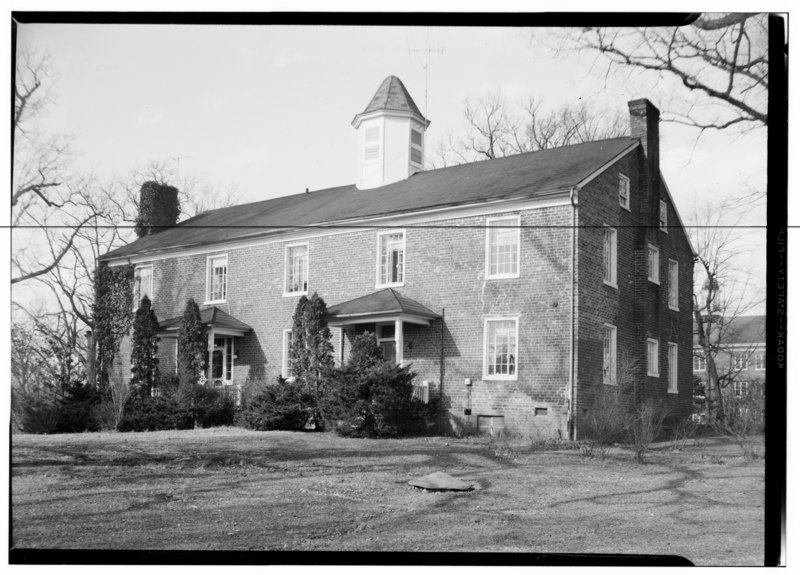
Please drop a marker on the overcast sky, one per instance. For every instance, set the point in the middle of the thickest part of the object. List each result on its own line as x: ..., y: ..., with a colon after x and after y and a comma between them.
x: 267, y: 110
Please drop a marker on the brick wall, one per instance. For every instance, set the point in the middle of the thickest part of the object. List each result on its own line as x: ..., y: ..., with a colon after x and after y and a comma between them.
x: 638, y: 308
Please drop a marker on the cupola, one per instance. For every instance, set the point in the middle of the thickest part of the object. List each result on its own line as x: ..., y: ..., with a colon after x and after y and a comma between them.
x: 391, y: 137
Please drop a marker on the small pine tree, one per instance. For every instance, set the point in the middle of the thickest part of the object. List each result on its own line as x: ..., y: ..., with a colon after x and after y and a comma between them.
x: 192, y: 346
x: 318, y: 339
x: 365, y: 352
x: 298, y: 352
x: 144, y: 363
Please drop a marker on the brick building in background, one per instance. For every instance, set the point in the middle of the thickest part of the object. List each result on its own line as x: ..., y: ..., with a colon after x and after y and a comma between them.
x: 516, y: 287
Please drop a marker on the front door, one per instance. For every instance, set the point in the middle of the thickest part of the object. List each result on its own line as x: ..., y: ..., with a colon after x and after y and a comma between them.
x: 222, y: 361
x: 387, y: 341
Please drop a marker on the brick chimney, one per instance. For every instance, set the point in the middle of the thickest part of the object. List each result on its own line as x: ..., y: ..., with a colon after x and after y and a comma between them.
x: 644, y: 125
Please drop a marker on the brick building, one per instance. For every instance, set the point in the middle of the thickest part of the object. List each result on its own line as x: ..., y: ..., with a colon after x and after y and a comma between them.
x: 739, y: 354
x: 516, y: 287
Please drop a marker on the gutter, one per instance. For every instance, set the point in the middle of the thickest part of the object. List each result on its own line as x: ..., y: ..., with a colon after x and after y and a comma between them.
x: 573, y: 200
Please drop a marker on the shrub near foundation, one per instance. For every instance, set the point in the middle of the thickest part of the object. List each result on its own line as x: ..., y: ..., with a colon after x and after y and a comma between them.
x: 284, y: 405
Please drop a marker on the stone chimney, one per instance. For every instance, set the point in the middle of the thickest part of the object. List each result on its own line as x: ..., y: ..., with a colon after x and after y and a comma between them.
x: 644, y: 125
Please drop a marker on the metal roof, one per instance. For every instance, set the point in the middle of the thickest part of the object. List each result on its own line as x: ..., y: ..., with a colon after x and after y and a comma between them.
x: 211, y: 317
x: 386, y: 301
x: 524, y: 175
x: 392, y: 95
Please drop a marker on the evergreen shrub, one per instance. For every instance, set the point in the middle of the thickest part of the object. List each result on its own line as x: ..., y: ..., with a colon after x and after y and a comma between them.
x: 285, y: 405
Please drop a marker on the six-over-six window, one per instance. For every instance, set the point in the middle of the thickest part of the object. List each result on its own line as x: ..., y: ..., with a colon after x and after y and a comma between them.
x: 296, y: 273
x: 500, y: 348
x: 217, y: 279
x: 502, y: 247
x: 391, y: 258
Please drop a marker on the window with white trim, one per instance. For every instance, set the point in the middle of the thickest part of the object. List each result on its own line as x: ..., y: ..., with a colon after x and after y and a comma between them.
x: 142, y: 284
x: 609, y: 354
x: 217, y: 279
x: 740, y: 361
x: 610, y: 257
x: 699, y: 363
x: 286, y: 364
x: 662, y: 217
x: 672, y: 278
x: 500, y: 348
x: 296, y: 273
x: 502, y: 247
x: 652, y: 263
x: 391, y: 258
x: 387, y: 341
x: 372, y: 143
x: 652, y: 357
x: 672, y: 367
x: 221, y: 361
x: 740, y: 388
x: 761, y: 362
x: 625, y: 192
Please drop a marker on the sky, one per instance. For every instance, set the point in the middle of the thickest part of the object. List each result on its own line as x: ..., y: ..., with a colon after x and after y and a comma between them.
x: 267, y: 110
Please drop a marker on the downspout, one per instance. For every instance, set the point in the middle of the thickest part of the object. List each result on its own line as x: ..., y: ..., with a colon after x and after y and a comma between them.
x: 441, y: 376
x: 573, y: 200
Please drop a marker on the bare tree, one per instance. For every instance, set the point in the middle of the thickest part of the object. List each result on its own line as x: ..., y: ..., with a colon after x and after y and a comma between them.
x: 721, y: 59
x: 722, y: 296
x: 495, y: 127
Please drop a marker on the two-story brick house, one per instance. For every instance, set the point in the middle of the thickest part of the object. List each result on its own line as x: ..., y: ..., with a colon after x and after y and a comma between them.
x: 514, y: 286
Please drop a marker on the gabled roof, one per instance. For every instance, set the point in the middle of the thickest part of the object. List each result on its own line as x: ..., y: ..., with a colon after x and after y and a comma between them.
x: 210, y: 317
x: 527, y: 175
x: 742, y: 330
x: 384, y: 302
x: 392, y: 95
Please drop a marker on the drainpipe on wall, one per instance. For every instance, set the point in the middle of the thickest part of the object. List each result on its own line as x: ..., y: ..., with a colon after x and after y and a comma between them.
x: 573, y: 200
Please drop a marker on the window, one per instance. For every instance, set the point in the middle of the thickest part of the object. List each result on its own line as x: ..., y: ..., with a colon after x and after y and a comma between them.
x: 673, y: 285
x: 609, y: 355
x: 610, y: 257
x: 391, y: 258
x: 652, y: 357
x: 672, y: 367
x: 372, y: 145
x: 415, y: 150
x: 662, y: 217
x: 740, y: 361
x: 142, y: 284
x: 387, y: 341
x: 502, y: 247
x: 500, y: 349
x: 740, y: 388
x: 699, y: 363
x: 217, y: 279
x: 652, y: 263
x: 296, y: 270
x: 761, y: 361
x: 625, y: 191
x: 286, y: 365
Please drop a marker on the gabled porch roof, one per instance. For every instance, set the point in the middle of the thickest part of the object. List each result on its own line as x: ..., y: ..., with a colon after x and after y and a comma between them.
x: 219, y: 321
x: 384, y: 305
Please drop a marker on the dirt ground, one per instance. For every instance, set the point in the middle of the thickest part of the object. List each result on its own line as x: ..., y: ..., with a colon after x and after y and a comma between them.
x: 232, y: 489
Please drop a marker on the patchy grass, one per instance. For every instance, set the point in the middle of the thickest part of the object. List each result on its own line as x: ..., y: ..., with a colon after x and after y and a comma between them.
x: 234, y: 489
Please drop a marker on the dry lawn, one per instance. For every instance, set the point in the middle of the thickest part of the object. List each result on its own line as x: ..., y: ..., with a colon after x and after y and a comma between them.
x: 231, y: 489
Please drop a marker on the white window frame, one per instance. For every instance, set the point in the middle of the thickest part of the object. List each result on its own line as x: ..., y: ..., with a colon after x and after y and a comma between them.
x: 651, y: 249
x: 489, y: 227
x: 500, y: 377
x: 287, y: 247
x: 702, y: 361
x: 741, y: 361
x: 137, y: 291
x: 672, y: 297
x: 209, y: 271
x: 741, y: 388
x: 610, y: 375
x: 662, y: 217
x: 286, y: 337
x: 610, y: 267
x: 672, y: 367
x: 760, y: 360
x: 379, y: 257
x: 625, y: 183
x: 652, y: 360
